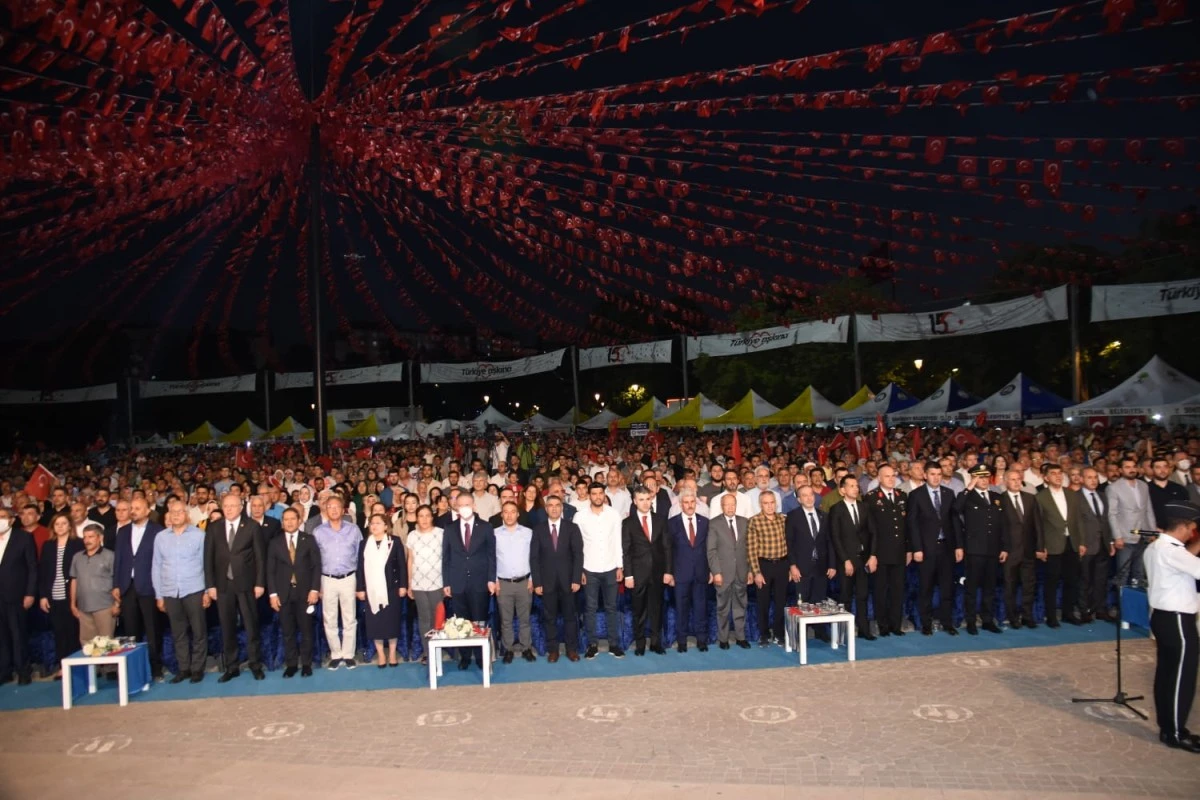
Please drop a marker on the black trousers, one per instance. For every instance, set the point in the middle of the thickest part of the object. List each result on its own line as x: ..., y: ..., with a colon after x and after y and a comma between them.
x: 691, y: 608
x: 229, y: 602
x: 856, y: 588
x: 981, y: 576
x: 472, y: 605
x: 66, y: 629
x: 937, y: 570
x: 14, y: 639
x: 294, y: 619
x: 889, y: 597
x: 1021, y: 574
x: 189, y: 632
x: 561, y: 600
x: 141, y: 618
x: 775, y: 586
x: 647, y: 601
x: 1064, y: 567
x: 1175, y: 675
x: 1093, y: 583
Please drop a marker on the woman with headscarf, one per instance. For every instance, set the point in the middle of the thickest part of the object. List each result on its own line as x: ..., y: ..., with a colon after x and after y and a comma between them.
x: 306, y: 502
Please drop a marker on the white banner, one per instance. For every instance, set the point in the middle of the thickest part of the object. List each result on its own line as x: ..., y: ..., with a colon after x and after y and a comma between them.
x: 736, y: 344
x: 84, y: 394
x: 490, y: 370
x: 1145, y: 300
x: 385, y: 373
x: 641, y: 353
x: 1051, y: 306
x: 237, y: 383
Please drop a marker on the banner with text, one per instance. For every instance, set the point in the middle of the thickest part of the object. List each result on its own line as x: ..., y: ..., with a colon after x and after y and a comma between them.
x: 384, y: 373
x: 1049, y: 306
x: 736, y: 344
x: 237, y: 383
x: 641, y: 353
x: 490, y: 370
x: 84, y: 394
x: 1145, y: 300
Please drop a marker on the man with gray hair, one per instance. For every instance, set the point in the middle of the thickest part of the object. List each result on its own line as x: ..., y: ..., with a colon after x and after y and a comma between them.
x: 729, y: 564
x: 762, y: 483
x: 235, y: 572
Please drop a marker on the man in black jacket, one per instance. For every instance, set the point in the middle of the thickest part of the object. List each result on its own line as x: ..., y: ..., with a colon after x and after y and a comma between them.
x: 18, y: 587
x: 645, y: 555
x: 294, y: 582
x: 936, y: 543
x: 886, y: 509
x: 981, y: 519
x: 556, y: 567
x: 236, y: 576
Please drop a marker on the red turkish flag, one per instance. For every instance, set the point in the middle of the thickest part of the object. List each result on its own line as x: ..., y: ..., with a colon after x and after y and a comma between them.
x: 40, y: 483
x: 612, y: 434
x: 880, y: 432
x: 363, y: 453
x: 981, y: 419
x: 243, y: 458
x: 962, y: 438
x: 838, y: 441
x: 737, y: 448
x: 862, y: 446
x: 822, y: 455
x: 439, y: 616
x: 935, y: 149
x: 916, y: 447
x: 458, y: 447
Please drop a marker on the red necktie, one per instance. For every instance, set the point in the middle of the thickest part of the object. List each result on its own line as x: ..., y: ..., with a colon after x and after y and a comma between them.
x: 467, y: 536
x: 645, y: 527
x: 691, y: 533
x: 554, y: 537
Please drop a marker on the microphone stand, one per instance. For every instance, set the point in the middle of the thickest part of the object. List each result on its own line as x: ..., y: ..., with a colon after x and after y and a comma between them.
x: 1118, y: 582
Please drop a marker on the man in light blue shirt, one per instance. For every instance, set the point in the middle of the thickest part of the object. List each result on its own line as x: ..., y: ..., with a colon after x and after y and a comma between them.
x: 515, y: 595
x: 177, y: 572
x: 339, y: 541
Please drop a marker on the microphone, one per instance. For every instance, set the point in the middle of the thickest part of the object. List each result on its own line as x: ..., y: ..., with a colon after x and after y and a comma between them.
x: 1149, y: 534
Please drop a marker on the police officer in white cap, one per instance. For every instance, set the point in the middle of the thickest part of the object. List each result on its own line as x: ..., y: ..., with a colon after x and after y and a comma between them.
x: 1172, y: 568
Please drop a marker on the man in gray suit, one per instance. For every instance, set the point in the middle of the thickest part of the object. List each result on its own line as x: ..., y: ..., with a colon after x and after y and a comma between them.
x: 1193, y: 488
x: 1129, y: 509
x: 730, y: 567
x: 1098, y: 548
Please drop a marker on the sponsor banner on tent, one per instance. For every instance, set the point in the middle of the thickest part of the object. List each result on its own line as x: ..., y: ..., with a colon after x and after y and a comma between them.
x: 1050, y: 306
x: 237, y: 383
x: 490, y: 370
x: 736, y: 344
x: 1145, y: 300
x: 349, y: 417
x: 84, y: 394
x: 385, y: 373
x: 641, y: 353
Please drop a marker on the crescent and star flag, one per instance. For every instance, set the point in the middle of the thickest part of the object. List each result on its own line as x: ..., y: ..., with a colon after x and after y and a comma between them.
x: 40, y: 483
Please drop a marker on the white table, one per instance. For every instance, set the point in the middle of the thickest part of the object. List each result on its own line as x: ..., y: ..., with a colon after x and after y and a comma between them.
x: 121, y: 660
x: 436, y: 646
x: 797, y: 626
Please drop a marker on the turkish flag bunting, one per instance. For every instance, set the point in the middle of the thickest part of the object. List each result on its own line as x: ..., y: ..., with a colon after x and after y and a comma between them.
x: 40, y: 483
x: 962, y: 438
x: 737, y: 448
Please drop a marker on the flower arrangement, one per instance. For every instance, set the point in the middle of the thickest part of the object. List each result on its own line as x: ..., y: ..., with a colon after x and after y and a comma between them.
x: 457, y: 628
x: 101, y: 646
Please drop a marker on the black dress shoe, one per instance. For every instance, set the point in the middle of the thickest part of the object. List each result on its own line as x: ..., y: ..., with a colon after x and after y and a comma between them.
x: 306, y: 672
x: 197, y: 677
x: 528, y: 655
x: 640, y: 649
x: 290, y: 672
x: 508, y: 657
x: 898, y: 632
x: 24, y: 680
x: 1029, y: 624
x: 1180, y: 743
x: 742, y: 643
x: 763, y: 642
x: 464, y: 663
x: 1071, y: 619
x: 681, y: 647
x: 592, y: 652
x: 885, y: 633
x: 257, y: 672
x: 971, y: 629
x: 1052, y: 624
x: 180, y: 677
x: 702, y: 647
x: 992, y: 627
x: 953, y: 631
x: 229, y: 675
x: 616, y: 652
x: 1086, y: 618
x: 822, y: 635
x: 658, y: 649
x: 723, y: 645
x: 926, y: 630
x: 870, y: 637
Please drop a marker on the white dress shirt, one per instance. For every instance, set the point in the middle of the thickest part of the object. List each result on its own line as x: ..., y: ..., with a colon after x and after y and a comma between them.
x: 1172, y: 573
x: 4, y: 540
x: 1017, y: 501
x: 742, y: 509
x: 601, y: 538
x: 136, y: 532
x: 1059, y: 496
x: 621, y: 500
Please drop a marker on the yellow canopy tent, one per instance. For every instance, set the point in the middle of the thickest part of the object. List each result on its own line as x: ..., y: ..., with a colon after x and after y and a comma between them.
x: 368, y: 427
x: 246, y: 432
x: 810, y: 408
x: 288, y: 429
x: 330, y: 429
x: 692, y: 415
x: 747, y: 412
x: 858, y: 398
x: 654, y: 409
x: 205, y: 434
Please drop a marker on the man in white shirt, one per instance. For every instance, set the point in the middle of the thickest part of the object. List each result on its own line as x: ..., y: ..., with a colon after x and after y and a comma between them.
x: 731, y: 484
x: 487, y: 505
x: 762, y: 483
x: 600, y: 525
x: 618, y: 495
x: 1173, y: 569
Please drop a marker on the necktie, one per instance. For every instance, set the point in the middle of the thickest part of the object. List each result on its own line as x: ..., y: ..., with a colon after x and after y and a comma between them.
x: 854, y: 513
x: 691, y: 532
x: 732, y: 527
x: 1096, y: 504
x: 292, y: 554
x: 1016, y: 498
x: 646, y: 526
x: 232, y: 533
x: 937, y: 500
x: 467, y: 535
x: 554, y: 536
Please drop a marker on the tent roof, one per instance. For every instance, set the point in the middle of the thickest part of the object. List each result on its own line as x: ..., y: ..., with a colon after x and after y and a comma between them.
x: 1188, y: 407
x: 368, y: 427
x: 950, y: 396
x: 652, y: 410
x: 601, y: 421
x: 204, y: 434
x: 288, y: 429
x: 809, y: 408
x: 692, y: 415
x: 1017, y: 400
x: 491, y: 416
x: 1153, y: 389
x: 863, y: 395
x: 331, y: 429
x: 888, y: 401
x: 540, y: 422
x: 750, y: 410
x: 245, y: 432
x: 570, y: 418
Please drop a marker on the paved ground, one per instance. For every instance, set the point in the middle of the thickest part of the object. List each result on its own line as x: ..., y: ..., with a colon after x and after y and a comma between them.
x: 998, y: 724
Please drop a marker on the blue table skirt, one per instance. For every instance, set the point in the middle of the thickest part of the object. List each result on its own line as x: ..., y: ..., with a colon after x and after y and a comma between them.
x: 1135, y: 607
x: 137, y: 669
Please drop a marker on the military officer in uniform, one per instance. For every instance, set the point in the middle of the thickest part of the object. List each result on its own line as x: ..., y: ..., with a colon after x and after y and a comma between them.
x: 885, y: 507
x: 982, y: 521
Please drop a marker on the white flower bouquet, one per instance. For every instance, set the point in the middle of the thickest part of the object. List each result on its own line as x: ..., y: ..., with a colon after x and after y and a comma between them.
x: 102, y: 646
x: 458, y: 628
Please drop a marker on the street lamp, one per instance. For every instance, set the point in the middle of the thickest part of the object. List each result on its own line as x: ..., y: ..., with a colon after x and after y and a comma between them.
x: 487, y: 398
x: 918, y: 363
x: 633, y: 388
x: 597, y: 396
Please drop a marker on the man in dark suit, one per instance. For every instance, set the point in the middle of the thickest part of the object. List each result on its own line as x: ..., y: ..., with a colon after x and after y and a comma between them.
x: 936, y: 543
x: 660, y: 498
x: 730, y: 564
x: 1097, y: 548
x: 981, y: 519
x: 812, y: 562
x: 687, y: 547
x: 236, y: 576
x: 132, y: 587
x: 1060, y: 537
x: 469, y: 569
x: 852, y: 541
x: 268, y: 527
x: 18, y: 587
x: 294, y: 582
x: 1020, y: 542
x: 886, y: 509
x: 556, y: 568
x: 645, y: 554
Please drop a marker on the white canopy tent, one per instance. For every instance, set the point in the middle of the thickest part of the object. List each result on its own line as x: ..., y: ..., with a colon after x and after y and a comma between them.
x: 948, y: 398
x: 491, y: 416
x: 892, y: 399
x: 1155, y: 389
x: 539, y: 422
x: 601, y: 421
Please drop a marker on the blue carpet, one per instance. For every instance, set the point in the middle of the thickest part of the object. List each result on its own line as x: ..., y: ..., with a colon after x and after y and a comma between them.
x: 414, y: 676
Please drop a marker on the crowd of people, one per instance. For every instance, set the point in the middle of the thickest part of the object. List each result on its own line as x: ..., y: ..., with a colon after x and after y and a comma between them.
x: 495, y: 530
